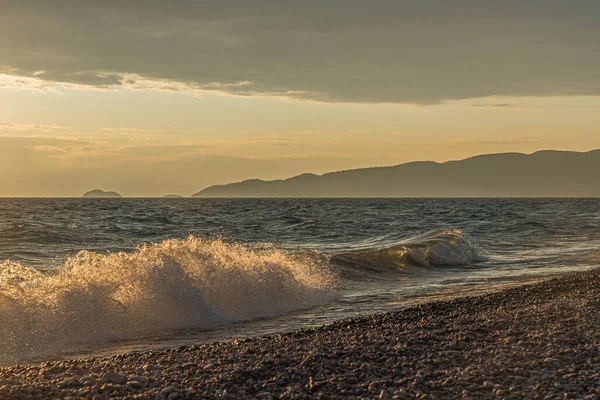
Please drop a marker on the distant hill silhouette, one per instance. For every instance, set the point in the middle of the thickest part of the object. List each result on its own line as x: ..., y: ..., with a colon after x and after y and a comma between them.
x: 541, y: 174
x: 97, y: 193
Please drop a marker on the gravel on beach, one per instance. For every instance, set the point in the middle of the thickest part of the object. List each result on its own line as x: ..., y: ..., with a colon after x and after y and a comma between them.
x: 539, y: 341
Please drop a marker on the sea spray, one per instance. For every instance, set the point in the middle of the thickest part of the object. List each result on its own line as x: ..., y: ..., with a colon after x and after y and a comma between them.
x: 191, y: 283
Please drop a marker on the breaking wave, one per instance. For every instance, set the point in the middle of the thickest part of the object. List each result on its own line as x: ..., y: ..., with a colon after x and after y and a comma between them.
x: 435, y: 248
x: 174, y: 284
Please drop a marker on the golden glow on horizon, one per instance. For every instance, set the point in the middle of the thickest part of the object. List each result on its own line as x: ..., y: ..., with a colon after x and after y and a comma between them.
x: 150, y: 142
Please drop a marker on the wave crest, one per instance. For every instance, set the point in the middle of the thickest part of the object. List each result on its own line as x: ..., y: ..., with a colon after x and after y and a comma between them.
x: 435, y: 248
x: 169, y: 285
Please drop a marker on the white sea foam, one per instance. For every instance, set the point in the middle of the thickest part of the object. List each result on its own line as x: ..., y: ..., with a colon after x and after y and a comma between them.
x: 174, y: 284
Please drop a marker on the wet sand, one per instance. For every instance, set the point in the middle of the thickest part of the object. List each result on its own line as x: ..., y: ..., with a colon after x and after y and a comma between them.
x: 539, y: 341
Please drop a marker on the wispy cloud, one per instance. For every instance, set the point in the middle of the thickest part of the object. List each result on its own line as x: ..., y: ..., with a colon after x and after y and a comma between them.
x: 139, y: 82
x: 40, y: 128
x: 498, y: 105
x: 41, y: 81
x: 12, y: 78
x: 502, y: 141
x: 124, y: 131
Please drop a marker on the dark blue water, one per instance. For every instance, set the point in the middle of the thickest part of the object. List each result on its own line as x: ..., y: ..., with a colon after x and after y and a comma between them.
x: 281, y: 263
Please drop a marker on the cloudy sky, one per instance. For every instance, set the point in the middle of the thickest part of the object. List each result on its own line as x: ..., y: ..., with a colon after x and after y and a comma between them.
x: 155, y: 97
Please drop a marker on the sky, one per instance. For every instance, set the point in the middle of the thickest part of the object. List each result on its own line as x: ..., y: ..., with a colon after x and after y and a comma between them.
x: 150, y: 97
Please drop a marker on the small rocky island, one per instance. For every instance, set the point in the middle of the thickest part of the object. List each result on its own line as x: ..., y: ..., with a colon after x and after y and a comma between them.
x: 173, y: 196
x: 101, y: 194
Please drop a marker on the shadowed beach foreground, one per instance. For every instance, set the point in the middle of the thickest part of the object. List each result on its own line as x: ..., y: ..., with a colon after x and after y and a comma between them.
x: 535, y: 341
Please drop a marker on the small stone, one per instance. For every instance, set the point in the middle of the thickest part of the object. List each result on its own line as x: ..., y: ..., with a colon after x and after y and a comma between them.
x: 141, y: 379
x: 488, y: 385
x: 113, y: 377
x: 88, y: 380
x: 168, y: 390
x: 134, y: 384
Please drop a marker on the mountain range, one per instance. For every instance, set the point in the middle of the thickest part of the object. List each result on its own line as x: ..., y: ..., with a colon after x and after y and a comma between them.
x: 541, y: 174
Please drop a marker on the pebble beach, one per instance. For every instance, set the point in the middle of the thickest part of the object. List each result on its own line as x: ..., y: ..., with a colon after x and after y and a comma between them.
x: 538, y: 341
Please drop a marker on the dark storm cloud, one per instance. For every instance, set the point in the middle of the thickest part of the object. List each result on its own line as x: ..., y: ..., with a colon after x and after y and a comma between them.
x: 424, y: 51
